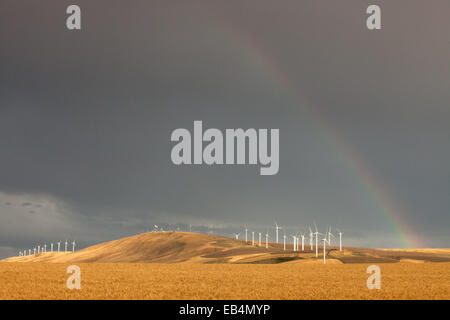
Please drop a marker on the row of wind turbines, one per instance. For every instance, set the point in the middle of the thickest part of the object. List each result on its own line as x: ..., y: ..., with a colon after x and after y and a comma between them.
x: 296, y: 239
x: 43, y: 248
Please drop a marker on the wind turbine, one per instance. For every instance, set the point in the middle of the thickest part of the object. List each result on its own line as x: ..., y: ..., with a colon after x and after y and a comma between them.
x: 246, y: 230
x: 284, y: 242
x: 303, y: 242
x: 39, y: 249
x: 45, y: 247
x: 259, y: 239
x: 73, y: 246
x: 330, y: 235
x: 59, y: 245
x: 295, y: 243
x: 253, y: 238
x: 65, y: 247
x: 29, y: 252
x: 311, y: 237
x: 236, y: 235
x: 51, y: 247
x: 267, y: 240
x: 276, y: 229
x: 34, y: 251
x: 340, y: 239
x: 324, y: 245
x: 317, y: 240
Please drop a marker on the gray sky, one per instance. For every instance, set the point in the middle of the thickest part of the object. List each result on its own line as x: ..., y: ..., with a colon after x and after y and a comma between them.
x: 86, y: 118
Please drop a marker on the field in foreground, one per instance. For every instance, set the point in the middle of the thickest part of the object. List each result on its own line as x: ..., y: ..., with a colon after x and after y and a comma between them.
x: 224, y: 281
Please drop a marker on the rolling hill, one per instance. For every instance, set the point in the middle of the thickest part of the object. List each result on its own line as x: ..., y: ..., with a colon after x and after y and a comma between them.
x: 187, y: 247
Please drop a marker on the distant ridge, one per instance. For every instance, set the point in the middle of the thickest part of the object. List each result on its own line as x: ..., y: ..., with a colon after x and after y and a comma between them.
x: 188, y: 247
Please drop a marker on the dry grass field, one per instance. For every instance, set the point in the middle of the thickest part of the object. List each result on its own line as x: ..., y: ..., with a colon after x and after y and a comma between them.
x: 182, y: 265
x: 224, y: 281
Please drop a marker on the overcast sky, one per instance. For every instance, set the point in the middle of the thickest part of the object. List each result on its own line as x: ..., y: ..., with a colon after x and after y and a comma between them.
x: 86, y: 118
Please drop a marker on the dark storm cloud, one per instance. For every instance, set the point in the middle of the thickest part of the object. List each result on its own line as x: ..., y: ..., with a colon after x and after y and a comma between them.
x: 86, y: 116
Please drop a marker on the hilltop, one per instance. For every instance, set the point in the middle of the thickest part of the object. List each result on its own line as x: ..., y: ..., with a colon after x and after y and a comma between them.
x: 188, y: 247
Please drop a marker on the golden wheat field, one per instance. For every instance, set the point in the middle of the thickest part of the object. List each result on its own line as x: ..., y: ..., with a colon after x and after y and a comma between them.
x: 224, y: 281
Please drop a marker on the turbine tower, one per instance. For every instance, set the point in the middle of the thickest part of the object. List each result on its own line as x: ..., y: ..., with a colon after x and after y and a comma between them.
x: 317, y: 240
x: 329, y: 236
x: 295, y: 244
x: 253, y: 238
x: 51, y: 247
x: 65, y: 247
x: 236, y: 235
x: 340, y: 240
x: 324, y: 245
x: 284, y: 242
x: 276, y: 229
x: 73, y: 246
x: 267, y: 240
x: 59, y: 245
x: 246, y: 230
x: 303, y: 242
x: 311, y: 237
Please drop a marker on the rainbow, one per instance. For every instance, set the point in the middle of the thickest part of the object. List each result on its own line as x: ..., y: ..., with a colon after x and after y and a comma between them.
x: 395, y: 217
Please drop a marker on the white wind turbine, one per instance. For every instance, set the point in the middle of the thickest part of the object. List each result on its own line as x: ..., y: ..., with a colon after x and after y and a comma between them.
x: 276, y: 229
x: 324, y: 248
x: 284, y: 242
x: 267, y: 240
x: 39, y: 249
x: 294, y: 245
x: 59, y: 245
x: 34, y: 251
x: 325, y: 241
x: 317, y: 240
x: 65, y: 247
x: 253, y: 238
x: 45, y: 247
x: 340, y: 239
x: 236, y: 235
x: 246, y: 230
x: 311, y: 237
x: 330, y: 235
x: 73, y: 246
x: 303, y: 242
x: 51, y: 247
x: 259, y: 244
x: 297, y: 240
x: 29, y: 252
